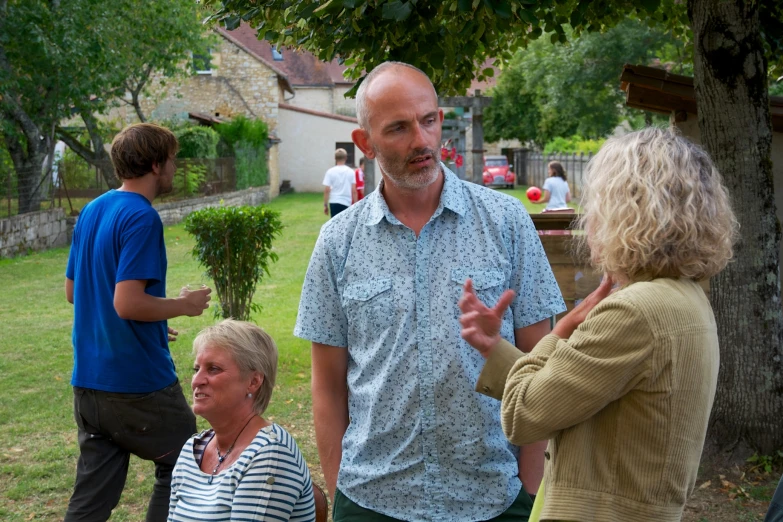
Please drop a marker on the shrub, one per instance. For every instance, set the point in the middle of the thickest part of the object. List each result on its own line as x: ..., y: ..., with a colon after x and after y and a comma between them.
x: 234, y: 245
x: 574, y: 144
x: 246, y: 140
x: 189, y: 179
x: 241, y: 129
x: 197, y: 142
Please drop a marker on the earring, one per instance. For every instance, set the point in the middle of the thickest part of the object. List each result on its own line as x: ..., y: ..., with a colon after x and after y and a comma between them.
x: 249, y: 395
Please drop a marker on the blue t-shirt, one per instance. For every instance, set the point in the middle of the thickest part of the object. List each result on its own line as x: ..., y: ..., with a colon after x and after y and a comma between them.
x: 118, y: 237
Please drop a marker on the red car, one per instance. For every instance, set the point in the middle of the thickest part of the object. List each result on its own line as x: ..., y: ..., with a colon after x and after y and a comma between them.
x: 497, y: 172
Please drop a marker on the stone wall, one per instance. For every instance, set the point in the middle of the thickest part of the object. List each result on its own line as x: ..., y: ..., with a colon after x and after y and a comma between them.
x: 174, y: 212
x: 33, y: 232
x: 38, y: 231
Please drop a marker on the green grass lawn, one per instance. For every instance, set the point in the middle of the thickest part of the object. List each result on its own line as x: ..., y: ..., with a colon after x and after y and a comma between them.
x: 39, y: 450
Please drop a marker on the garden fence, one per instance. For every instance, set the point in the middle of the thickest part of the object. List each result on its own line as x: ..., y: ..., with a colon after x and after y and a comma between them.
x: 531, y: 168
x: 71, y: 187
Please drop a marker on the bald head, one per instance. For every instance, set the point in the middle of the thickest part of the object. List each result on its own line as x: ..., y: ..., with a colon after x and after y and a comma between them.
x: 366, y: 89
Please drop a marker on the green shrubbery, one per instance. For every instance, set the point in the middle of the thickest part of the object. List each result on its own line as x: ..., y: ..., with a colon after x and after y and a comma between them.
x: 234, y: 245
x: 246, y: 140
x: 573, y: 145
x: 197, y: 142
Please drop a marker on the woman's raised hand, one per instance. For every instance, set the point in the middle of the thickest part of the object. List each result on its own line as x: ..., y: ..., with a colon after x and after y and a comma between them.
x: 481, y: 324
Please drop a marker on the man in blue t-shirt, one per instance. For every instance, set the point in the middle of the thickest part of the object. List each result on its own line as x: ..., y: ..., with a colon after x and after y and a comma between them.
x: 127, y: 398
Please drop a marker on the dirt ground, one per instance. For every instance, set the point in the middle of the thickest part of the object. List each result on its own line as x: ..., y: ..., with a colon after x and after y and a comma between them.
x: 729, y: 491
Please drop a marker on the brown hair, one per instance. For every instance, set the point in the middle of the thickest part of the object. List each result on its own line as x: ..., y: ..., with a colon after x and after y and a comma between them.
x: 558, y: 168
x: 137, y: 147
x: 340, y: 155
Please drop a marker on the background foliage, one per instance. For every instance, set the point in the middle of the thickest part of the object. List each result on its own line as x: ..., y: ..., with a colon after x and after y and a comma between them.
x: 197, y: 142
x: 558, y: 89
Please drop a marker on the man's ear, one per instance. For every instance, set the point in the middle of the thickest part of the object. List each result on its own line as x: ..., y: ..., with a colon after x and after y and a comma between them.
x: 362, y: 140
x: 156, y: 168
x: 440, y: 114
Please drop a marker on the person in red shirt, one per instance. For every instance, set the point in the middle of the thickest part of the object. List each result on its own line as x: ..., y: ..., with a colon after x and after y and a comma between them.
x: 360, y: 181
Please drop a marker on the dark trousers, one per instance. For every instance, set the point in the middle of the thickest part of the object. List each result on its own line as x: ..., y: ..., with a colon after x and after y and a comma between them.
x: 346, y: 510
x: 153, y: 426
x: 336, y: 208
x: 775, y: 513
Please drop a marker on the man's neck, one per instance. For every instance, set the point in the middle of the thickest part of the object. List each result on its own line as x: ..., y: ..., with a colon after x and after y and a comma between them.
x: 413, y: 207
x: 140, y: 186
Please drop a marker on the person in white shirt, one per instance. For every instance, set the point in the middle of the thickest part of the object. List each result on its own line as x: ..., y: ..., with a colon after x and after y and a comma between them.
x: 556, y: 192
x: 339, y: 185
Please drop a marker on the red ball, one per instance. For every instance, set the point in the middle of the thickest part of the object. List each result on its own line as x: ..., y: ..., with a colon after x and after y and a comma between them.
x: 533, y: 193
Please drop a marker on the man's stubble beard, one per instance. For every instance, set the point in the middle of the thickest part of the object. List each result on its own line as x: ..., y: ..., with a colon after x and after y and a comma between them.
x: 395, y: 170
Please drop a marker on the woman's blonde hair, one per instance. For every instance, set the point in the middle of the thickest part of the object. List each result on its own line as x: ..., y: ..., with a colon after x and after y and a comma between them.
x: 654, y: 204
x: 251, y: 348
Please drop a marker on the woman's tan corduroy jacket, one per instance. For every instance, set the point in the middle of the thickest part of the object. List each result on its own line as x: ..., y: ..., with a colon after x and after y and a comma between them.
x: 624, y: 403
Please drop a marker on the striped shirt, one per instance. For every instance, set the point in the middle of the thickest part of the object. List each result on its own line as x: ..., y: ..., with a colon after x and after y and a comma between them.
x: 269, y: 481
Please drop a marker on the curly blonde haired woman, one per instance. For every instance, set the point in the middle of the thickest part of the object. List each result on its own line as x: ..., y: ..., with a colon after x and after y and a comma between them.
x: 624, y: 384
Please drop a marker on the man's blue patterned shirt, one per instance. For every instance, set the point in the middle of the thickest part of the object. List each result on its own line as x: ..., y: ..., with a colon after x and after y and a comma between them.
x: 421, y: 443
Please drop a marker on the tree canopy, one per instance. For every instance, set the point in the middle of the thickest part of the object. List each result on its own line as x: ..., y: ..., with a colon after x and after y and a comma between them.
x: 553, y: 90
x: 60, y: 57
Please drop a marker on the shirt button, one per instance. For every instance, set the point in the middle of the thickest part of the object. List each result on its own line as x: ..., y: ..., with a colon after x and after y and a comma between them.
x: 546, y: 455
x: 270, y: 480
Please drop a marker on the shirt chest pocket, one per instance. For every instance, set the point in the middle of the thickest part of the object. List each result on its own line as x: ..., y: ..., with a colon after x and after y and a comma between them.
x: 369, y: 304
x: 488, y: 284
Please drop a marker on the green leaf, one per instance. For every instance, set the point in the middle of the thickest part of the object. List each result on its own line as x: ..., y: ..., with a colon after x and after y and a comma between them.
x: 397, y: 10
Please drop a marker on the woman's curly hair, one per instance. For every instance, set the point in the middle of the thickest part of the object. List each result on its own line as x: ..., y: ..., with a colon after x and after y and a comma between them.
x: 655, y: 205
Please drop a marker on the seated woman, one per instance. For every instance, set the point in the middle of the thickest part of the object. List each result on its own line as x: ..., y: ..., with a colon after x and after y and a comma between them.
x: 244, y: 467
x: 624, y: 384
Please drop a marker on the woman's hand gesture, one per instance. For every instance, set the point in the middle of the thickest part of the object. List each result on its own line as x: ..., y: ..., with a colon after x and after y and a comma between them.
x: 480, y: 324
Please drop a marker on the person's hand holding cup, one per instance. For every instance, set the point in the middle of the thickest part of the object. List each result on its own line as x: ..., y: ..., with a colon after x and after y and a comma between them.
x: 195, y: 297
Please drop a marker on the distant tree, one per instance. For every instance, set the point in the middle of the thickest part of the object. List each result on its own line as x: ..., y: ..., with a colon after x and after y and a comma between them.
x: 558, y: 89
x: 732, y: 41
x: 65, y: 57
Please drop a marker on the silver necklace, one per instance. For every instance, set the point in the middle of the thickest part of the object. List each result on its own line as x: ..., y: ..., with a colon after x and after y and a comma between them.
x: 220, y: 457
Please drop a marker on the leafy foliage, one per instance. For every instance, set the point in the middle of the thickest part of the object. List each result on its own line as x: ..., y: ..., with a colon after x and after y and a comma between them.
x: 558, y: 90
x: 197, y: 142
x: 82, y: 56
x: 247, y: 141
x: 234, y: 245
x: 187, y: 181
x: 573, y: 145
x: 250, y: 165
x: 242, y: 129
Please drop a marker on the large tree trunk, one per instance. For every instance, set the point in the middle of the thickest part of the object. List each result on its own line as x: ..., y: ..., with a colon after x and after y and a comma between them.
x: 28, y: 160
x: 734, y: 120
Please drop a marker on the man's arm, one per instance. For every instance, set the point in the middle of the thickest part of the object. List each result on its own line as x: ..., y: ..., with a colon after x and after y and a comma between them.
x: 531, y: 456
x: 354, y: 193
x: 69, y: 290
x: 330, y: 407
x: 327, y: 191
x: 133, y: 304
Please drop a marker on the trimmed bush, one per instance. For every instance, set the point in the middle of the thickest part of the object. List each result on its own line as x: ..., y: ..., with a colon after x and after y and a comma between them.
x: 234, y: 245
x: 197, y: 142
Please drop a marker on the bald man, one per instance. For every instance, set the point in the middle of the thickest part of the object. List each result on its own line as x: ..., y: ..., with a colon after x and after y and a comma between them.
x: 401, y: 433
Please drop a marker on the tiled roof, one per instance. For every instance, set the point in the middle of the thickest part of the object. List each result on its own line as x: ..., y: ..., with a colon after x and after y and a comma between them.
x: 301, y: 68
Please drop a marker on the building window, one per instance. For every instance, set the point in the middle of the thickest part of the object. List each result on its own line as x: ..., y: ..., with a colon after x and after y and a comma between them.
x: 277, y: 55
x: 202, y: 63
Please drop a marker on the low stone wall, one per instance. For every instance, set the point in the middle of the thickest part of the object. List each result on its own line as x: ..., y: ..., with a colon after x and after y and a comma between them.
x: 50, y: 229
x: 176, y: 211
x: 33, y: 232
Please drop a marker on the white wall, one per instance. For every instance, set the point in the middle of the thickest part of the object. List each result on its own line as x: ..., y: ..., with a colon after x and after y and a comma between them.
x: 307, y: 147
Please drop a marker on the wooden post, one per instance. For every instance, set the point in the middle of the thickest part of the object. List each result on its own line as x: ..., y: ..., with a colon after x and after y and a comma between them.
x: 476, y: 104
x: 369, y: 176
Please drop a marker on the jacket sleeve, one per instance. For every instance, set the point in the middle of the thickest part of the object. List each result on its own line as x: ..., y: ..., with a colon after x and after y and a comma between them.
x: 563, y: 382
